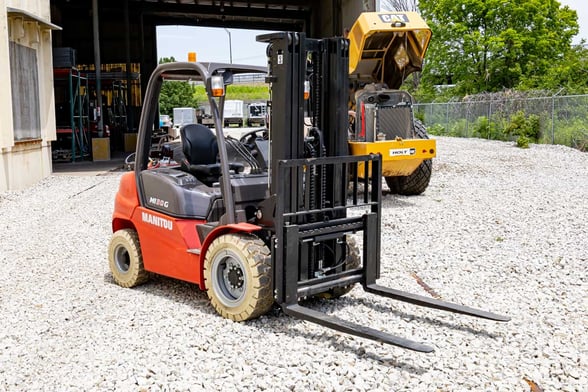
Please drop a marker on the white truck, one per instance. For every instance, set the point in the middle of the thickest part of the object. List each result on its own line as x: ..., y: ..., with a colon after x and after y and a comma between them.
x: 256, y: 114
x: 233, y: 113
x: 183, y: 116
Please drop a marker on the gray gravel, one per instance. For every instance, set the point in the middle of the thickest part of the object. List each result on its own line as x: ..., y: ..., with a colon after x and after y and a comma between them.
x: 500, y: 228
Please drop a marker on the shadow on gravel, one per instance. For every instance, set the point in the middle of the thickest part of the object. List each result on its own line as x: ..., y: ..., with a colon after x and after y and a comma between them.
x: 283, y: 325
x: 173, y: 290
x: 361, y: 352
x: 279, y: 323
x: 394, y: 201
x: 424, y: 319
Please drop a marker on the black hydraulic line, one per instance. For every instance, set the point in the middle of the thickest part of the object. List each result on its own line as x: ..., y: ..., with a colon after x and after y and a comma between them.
x: 323, y: 174
x: 245, y: 154
x: 311, y: 185
x: 316, y: 90
x: 432, y: 302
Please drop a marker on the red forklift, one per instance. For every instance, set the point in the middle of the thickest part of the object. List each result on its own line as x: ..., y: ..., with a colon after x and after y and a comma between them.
x: 267, y: 219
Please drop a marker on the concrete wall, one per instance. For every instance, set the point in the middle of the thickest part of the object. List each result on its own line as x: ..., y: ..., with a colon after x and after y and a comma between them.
x: 24, y: 162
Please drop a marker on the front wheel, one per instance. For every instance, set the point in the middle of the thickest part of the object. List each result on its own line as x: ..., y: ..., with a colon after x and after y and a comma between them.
x: 237, y: 272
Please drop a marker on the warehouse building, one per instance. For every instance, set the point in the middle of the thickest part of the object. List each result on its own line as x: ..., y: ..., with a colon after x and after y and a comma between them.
x: 74, y: 71
x: 27, y: 106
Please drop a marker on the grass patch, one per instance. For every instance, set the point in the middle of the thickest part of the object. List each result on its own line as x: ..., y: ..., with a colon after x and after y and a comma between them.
x: 244, y: 92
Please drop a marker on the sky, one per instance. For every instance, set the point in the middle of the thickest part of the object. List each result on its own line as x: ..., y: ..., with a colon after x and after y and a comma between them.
x: 212, y: 44
x: 581, y: 7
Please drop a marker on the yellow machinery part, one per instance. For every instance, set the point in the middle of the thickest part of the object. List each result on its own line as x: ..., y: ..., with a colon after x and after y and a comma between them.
x: 386, y: 47
x: 399, y: 157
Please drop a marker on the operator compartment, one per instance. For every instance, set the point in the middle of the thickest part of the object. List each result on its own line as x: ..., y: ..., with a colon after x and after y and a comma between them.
x: 177, y: 193
x: 182, y: 195
x: 249, y: 190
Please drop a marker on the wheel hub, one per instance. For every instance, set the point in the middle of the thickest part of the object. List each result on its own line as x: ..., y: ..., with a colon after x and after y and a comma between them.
x: 122, y: 259
x: 231, y: 279
x: 234, y: 276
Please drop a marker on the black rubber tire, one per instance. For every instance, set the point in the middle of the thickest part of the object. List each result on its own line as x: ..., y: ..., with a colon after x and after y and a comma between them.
x: 418, y: 181
x: 353, y: 261
x: 238, y: 277
x: 125, y: 259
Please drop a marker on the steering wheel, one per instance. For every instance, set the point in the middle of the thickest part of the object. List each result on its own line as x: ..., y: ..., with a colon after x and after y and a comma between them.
x: 249, y: 137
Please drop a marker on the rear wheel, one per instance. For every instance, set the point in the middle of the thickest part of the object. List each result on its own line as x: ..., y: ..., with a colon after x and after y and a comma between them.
x: 237, y: 271
x: 125, y: 259
x: 418, y: 181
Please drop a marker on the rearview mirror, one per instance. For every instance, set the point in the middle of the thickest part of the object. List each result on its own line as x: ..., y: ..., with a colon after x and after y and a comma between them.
x: 228, y: 77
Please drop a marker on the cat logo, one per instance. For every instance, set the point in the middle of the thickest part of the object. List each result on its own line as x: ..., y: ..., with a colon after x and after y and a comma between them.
x: 392, y: 18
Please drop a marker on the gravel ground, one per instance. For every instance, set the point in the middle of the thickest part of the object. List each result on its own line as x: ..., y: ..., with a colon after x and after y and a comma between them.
x: 499, y: 228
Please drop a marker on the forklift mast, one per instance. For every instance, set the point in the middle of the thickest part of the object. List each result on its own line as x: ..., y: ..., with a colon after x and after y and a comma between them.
x: 315, y: 183
x: 296, y: 61
x: 311, y: 170
x: 314, y: 127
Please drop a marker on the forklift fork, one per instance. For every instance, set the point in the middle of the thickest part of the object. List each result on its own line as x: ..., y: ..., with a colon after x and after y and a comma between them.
x: 289, y: 258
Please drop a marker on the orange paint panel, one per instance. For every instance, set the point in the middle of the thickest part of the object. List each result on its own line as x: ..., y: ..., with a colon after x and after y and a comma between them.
x: 125, y: 202
x: 165, y: 242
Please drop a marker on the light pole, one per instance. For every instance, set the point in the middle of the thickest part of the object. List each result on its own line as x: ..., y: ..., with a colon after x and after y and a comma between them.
x: 230, y: 46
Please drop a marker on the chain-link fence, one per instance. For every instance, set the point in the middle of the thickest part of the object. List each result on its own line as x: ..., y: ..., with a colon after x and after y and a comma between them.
x: 551, y: 120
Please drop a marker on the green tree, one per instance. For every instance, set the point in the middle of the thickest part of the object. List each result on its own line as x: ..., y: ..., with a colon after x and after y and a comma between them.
x: 490, y: 45
x: 569, y: 72
x: 175, y: 94
x: 163, y: 60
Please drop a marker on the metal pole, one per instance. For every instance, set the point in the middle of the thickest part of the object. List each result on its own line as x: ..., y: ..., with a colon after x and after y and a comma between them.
x: 97, y: 65
x: 130, y: 115
x: 447, y: 118
x: 553, y: 115
x: 71, y: 115
x: 230, y: 46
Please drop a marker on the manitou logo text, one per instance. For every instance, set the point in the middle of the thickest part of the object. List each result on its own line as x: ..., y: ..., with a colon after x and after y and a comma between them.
x: 158, y: 202
x: 157, y: 221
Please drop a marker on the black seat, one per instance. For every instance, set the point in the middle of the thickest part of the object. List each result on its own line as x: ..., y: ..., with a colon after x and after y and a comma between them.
x: 200, y: 152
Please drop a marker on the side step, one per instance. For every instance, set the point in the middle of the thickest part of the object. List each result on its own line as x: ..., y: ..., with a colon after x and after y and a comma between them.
x: 301, y: 312
x: 432, y: 302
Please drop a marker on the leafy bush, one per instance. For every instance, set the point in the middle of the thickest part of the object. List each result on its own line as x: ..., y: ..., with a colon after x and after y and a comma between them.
x: 436, y: 129
x: 523, y: 141
x: 458, y: 128
x: 522, y: 125
x: 487, y: 129
x: 534, y: 127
